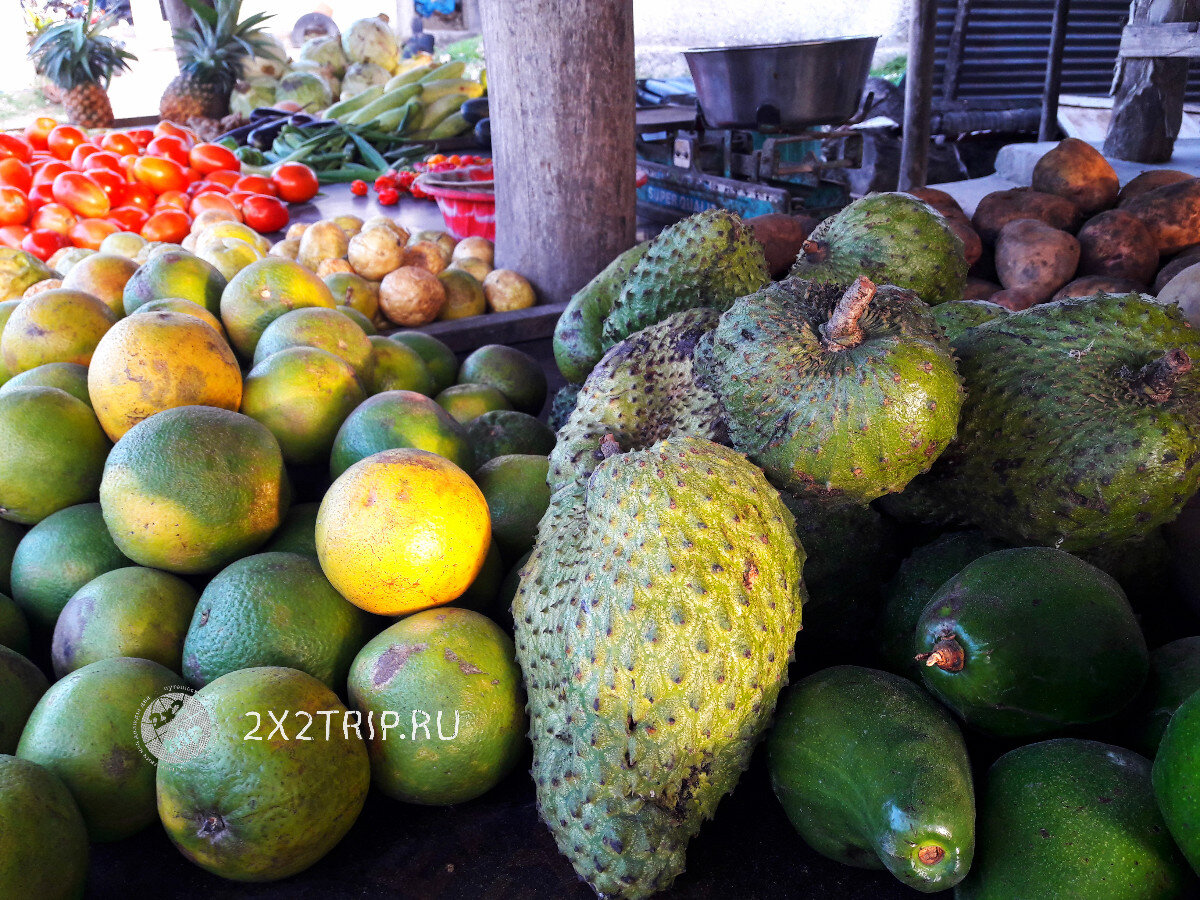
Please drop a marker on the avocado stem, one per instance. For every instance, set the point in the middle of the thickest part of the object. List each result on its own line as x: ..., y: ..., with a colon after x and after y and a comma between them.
x: 931, y: 854
x: 1157, y: 379
x: 947, y: 654
x: 842, y: 331
x: 814, y: 251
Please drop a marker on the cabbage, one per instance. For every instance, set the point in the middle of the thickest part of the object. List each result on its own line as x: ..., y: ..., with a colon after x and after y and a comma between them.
x: 249, y: 95
x: 326, y: 52
x: 371, y: 40
x: 360, y: 76
x: 325, y: 73
x: 264, y: 67
x: 304, y: 88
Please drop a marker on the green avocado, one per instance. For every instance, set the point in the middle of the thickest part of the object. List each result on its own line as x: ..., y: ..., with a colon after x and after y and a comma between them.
x: 1073, y: 819
x: 1177, y: 778
x: 874, y: 773
x: 1174, y: 676
x: 1024, y: 642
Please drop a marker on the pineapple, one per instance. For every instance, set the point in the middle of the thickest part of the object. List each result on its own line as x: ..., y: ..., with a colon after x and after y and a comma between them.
x: 81, y: 61
x: 212, y: 53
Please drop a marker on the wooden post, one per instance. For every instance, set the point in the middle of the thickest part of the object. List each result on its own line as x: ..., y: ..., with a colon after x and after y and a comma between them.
x: 918, y: 95
x: 1148, y: 101
x: 180, y: 17
x: 561, y: 99
x: 1048, y: 129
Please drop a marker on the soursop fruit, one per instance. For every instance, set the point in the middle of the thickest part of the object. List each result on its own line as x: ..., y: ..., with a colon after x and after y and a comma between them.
x: 840, y: 394
x: 892, y: 239
x: 709, y: 259
x: 562, y: 404
x: 956, y: 316
x: 654, y: 625
x: 1081, y: 426
x: 642, y: 391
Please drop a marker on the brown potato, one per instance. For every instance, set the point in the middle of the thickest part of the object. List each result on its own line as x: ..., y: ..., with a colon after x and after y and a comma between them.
x: 1092, y: 285
x: 391, y: 225
x: 321, y: 240
x: 1036, y: 258
x: 327, y: 267
x: 978, y: 289
x: 1015, y: 299
x: 425, y: 255
x: 287, y: 249
x: 1172, y: 213
x: 781, y: 237
x: 1117, y: 245
x: 1078, y: 171
x: 374, y: 252
x: 939, y: 200
x: 410, y: 296
x: 1148, y: 181
x: 1175, y: 265
x: 1184, y: 291
x: 475, y: 248
x: 972, y: 243
x: 999, y: 208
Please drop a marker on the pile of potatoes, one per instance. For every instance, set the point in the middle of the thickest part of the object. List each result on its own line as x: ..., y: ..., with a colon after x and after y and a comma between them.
x: 419, y: 278
x: 1075, y: 233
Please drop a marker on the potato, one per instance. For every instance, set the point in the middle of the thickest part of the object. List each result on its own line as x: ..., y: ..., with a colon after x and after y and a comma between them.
x: 374, y: 252
x: 1148, y: 181
x: 781, y: 237
x: 1172, y: 213
x: 321, y: 240
x: 1036, y: 258
x: 1078, y: 171
x: 506, y: 290
x: 979, y: 289
x: 1092, y: 285
x: 972, y: 243
x: 1184, y: 291
x: 475, y: 248
x: 1177, y: 264
x: 395, y: 228
x: 464, y: 295
x: 1117, y: 245
x: 999, y: 208
x: 287, y: 249
x: 426, y: 255
x: 939, y: 200
x: 440, y: 238
x: 295, y: 231
x: 206, y: 217
x: 1015, y: 299
x: 327, y: 267
x: 352, y: 225
x: 410, y: 296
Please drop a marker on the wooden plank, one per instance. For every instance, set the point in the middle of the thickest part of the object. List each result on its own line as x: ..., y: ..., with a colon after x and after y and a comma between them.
x: 1170, y: 40
x: 1048, y: 128
x: 954, y: 50
x: 918, y: 95
x: 522, y: 325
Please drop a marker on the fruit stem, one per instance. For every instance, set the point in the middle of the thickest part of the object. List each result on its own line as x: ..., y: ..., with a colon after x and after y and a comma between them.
x: 947, y: 654
x: 931, y: 854
x: 814, y: 251
x: 609, y: 446
x: 1156, y: 380
x: 842, y: 331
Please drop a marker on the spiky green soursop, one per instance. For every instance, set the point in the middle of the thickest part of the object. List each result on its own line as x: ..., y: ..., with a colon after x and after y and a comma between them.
x: 562, y: 404
x: 654, y: 624
x: 709, y: 259
x: 957, y: 316
x: 642, y: 391
x: 1081, y: 425
x: 577, y: 338
x: 892, y: 239
x: 840, y: 394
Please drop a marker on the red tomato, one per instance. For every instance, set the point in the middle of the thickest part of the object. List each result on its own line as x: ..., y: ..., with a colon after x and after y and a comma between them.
x: 256, y: 184
x: 169, y: 147
x: 264, y: 214
x: 15, y: 173
x: 41, y: 193
x: 81, y: 195
x: 170, y: 129
x: 90, y: 232
x: 63, y: 140
x: 295, y: 182
x: 213, y: 157
x: 139, y: 195
x: 174, y: 199
x: 37, y: 131
x: 159, y: 174
x: 47, y: 172
x: 192, y: 175
x: 119, y: 142
x: 44, y: 244
x: 237, y: 198
x: 103, y: 159
x: 170, y: 225
x: 140, y: 136
x: 113, y: 185
x: 14, y: 206
x: 80, y: 153
x: 212, y: 200
x: 127, y: 162
x: 11, y: 145
x: 130, y: 218
x: 208, y: 186
x: 225, y: 177
x: 53, y: 217
x: 12, y: 235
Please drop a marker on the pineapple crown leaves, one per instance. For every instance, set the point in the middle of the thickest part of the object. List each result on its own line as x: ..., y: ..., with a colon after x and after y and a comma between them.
x: 70, y: 53
x: 216, y: 45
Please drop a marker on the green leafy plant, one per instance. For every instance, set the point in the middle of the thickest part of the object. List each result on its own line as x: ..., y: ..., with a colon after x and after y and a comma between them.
x: 71, y: 53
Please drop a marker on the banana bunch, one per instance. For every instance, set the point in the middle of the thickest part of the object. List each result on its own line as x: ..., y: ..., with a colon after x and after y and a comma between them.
x: 419, y: 104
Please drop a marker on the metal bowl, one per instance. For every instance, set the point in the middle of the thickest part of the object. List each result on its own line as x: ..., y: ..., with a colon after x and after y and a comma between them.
x: 781, y: 86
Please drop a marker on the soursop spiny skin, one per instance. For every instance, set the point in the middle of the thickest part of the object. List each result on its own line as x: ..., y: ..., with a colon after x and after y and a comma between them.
x: 654, y: 622
x: 842, y: 394
x: 642, y: 391
x: 709, y: 259
x: 1081, y: 426
x: 956, y: 316
x: 891, y: 238
x: 562, y: 404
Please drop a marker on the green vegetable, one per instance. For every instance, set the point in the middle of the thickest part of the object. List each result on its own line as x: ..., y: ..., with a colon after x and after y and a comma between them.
x: 250, y: 156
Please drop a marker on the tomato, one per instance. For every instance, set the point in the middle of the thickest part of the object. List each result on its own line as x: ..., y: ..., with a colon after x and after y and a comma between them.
x: 256, y: 184
x: 102, y: 159
x: 37, y: 131
x: 170, y: 129
x: 11, y: 145
x: 119, y: 142
x: 130, y: 218
x: 14, y: 206
x: 90, y: 232
x: 140, y: 136
x: 44, y: 244
x: 213, y: 200
x: 111, y: 183
x: 53, y: 217
x: 12, y: 235
x: 127, y: 162
x: 49, y: 171
x: 225, y: 177
x: 169, y: 147
x: 64, y: 139
x: 173, y: 199
x: 159, y: 174
x: 208, y: 187
x: 78, y: 193
x: 264, y: 214
x: 15, y: 173
x: 207, y: 158
x: 171, y: 225
x: 139, y: 195
x: 237, y: 198
x: 295, y: 182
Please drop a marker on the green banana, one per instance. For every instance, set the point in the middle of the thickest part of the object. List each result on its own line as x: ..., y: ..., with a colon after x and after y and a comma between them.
x: 435, y: 90
x: 394, y: 119
x: 451, y: 126
x: 391, y: 100
x: 352, y: 104
x: 439, y: 109
x: 410, y: 77
x: 446, y: 70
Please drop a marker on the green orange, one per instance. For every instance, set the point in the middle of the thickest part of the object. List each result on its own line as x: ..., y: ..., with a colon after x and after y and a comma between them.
x: 469, y: 401
x: 503, y: 432
x: 297, y: 533
x: 43, y: 841
x: 398, y: 368
x: 399, y: 419
x: 440, y: 359
x: 261, y: 293
x: 54, y: 326
x: 514, y: 373
x: 69, y: 377
x: 353, y: 290
x: 104, y: 276
x: 326, y: 329
x: 175, y: 273
x: 22, y: 685
x: 517, y: 496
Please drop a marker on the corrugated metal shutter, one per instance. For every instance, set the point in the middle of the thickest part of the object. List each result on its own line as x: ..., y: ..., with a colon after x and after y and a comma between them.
x: 1006, y: 44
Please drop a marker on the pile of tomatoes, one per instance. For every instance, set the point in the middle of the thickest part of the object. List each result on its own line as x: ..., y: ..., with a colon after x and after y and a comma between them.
x: 60, y: 187
x: 392, y: 184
